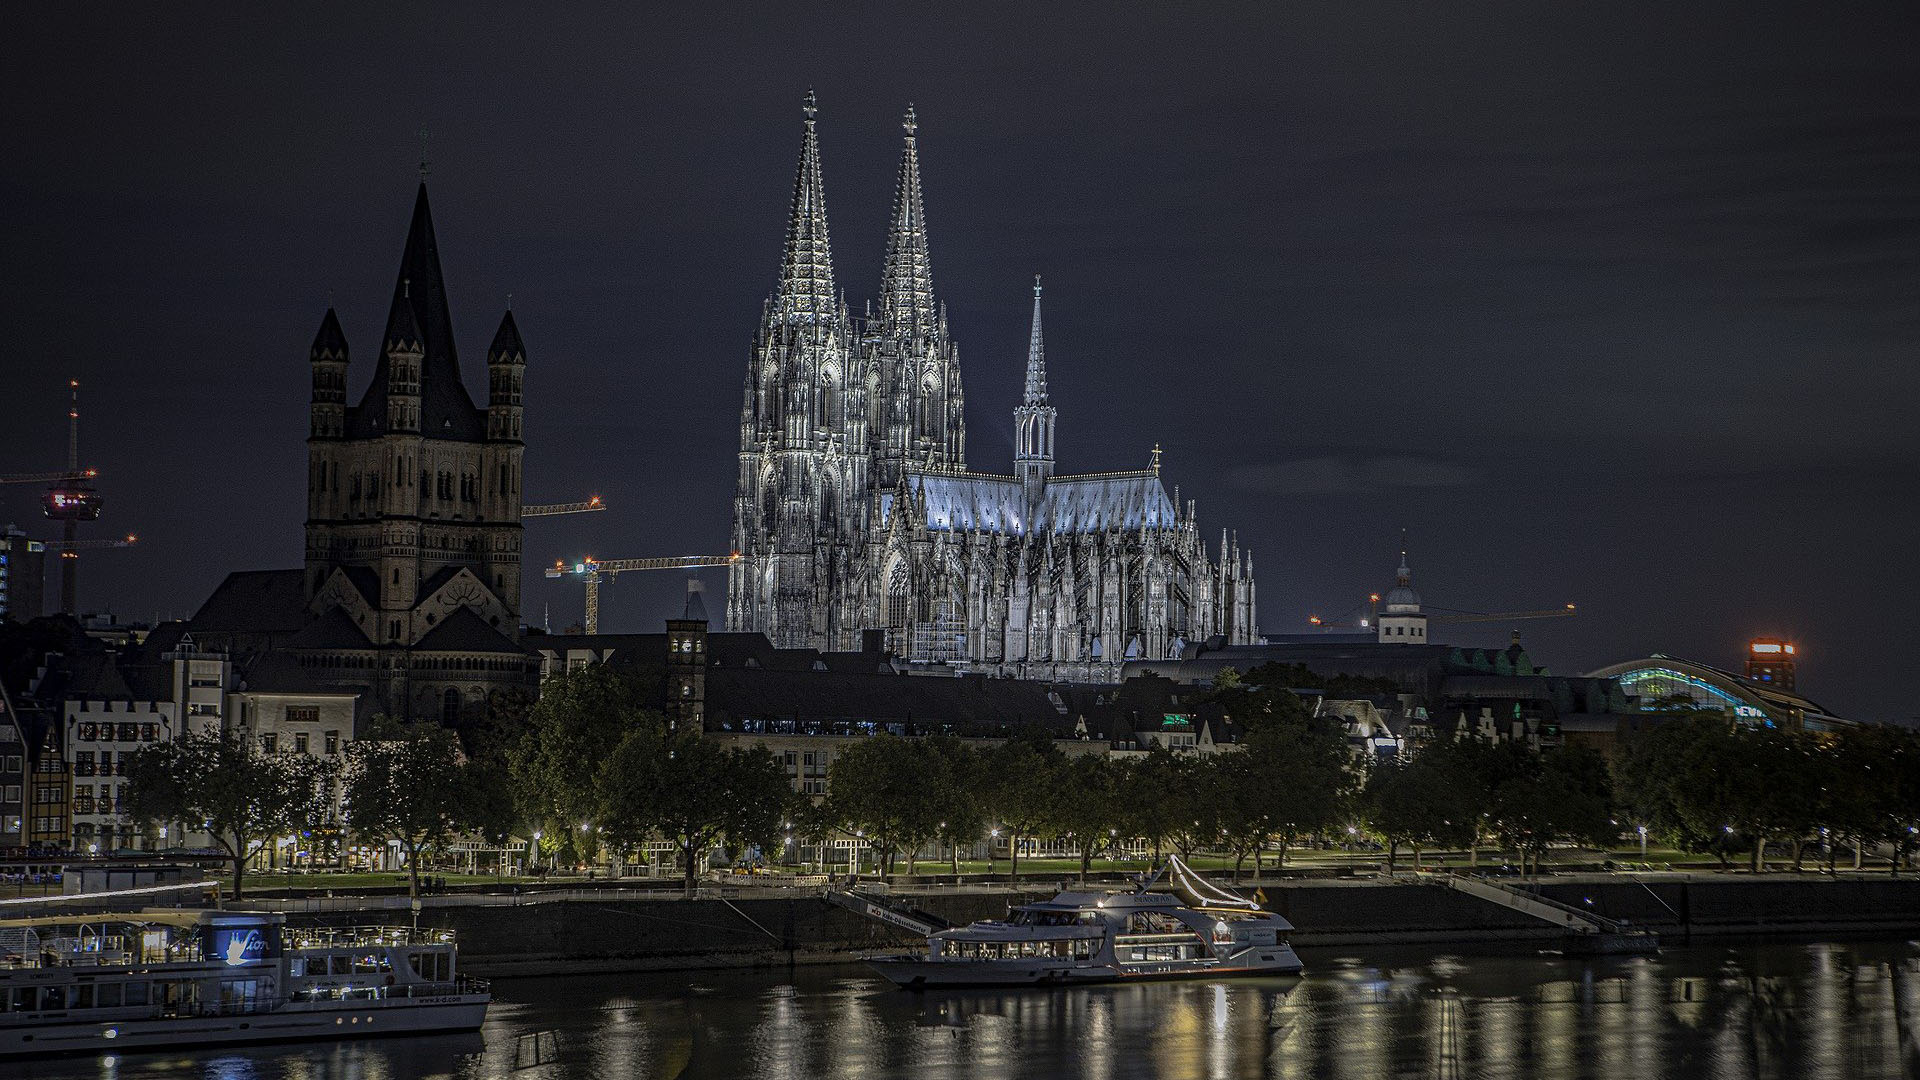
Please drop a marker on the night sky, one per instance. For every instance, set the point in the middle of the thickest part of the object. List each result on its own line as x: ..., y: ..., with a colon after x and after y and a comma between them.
x: 1604, y: 304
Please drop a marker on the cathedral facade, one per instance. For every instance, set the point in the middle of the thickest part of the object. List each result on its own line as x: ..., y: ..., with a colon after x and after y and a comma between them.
x: 856, y: 510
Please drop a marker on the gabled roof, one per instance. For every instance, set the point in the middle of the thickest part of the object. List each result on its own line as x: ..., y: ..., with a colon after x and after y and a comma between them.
x: 1092, y: 503
x: 333, y: 630
x: 282, y: 673
x: 255, y: 601
x: 464, y: 631
x: 95, y: 678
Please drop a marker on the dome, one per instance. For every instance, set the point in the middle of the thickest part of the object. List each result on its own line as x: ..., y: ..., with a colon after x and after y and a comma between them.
x: 1401, y: 599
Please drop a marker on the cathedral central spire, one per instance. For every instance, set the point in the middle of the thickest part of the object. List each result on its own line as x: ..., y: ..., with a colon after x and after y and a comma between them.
x: 1033, y: 419
x: 1036, y: 392
x: 805, y: 292
x: 906, y: 285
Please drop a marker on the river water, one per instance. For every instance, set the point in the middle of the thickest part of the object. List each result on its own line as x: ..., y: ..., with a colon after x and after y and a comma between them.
x: 1839, y: 1009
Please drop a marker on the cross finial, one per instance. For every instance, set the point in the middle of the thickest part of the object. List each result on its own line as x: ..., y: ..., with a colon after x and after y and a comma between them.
x: 812, y: 106
x: 425, y: 165
x: 509, y: 301
x: 1156, y: 459
x: 910, y: 123
x: 1036, y: 286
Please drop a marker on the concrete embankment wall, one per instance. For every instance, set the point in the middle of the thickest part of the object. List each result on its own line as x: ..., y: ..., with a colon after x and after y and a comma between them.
x: 585, y: 933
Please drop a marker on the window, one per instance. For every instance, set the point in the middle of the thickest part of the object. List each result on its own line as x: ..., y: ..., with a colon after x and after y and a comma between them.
x: 270, y: 742
x: 89, y: 732
x: 149, y: 732
x: 303, y: 714
x: 201, y: 708
x: 450, y: 707
x: 333, y: 742
x: 83, y: 763
x: 129, y: 732
x: 299, y: 742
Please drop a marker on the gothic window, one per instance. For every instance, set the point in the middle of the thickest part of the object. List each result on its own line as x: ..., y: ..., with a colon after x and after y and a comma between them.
x: 829, y: 398
x: 897, y: 599
x: 450, y: 707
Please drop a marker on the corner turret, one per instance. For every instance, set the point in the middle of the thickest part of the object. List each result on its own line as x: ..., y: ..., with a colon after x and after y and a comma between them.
x: 329, y: 359
x: 506, y: 366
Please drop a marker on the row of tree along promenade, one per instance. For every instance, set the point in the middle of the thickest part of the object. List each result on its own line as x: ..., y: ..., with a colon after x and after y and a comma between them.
x: 594, y: 774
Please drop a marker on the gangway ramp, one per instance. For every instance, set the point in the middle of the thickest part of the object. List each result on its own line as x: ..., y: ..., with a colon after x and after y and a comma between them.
x: 912, y: 920
x: 1592, y: 932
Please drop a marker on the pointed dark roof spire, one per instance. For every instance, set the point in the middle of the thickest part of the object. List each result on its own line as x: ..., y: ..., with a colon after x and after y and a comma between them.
x: 1036, y: 391
x: 403, y: 330
x: 506, y: 342
x: 330, y: 342
x: 419, y: 313
x: 805, y: 292
x: 906, y: 284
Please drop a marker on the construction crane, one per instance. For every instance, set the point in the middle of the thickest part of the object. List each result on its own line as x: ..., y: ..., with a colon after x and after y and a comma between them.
x: 48, y: 477
x: 591, y: 570
x: 1448, y: 615
x: 553, y: 509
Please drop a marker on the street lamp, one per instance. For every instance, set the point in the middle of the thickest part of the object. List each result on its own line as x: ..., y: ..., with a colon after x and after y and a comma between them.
x: 992, y: 835
x: 1643, y: 843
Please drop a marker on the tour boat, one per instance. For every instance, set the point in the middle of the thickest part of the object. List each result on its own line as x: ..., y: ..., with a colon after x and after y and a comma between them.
x: 175, y: 978
x: 1088, y: 937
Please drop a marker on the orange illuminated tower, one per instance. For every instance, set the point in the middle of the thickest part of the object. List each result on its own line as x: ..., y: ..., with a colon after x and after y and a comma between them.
x: 1770, y: 660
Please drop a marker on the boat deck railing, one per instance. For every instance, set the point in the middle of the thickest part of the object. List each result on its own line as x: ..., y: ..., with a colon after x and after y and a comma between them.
x: 361, y: 937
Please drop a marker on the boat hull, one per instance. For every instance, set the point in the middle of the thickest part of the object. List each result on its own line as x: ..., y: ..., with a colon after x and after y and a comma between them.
x: 920, y: 973
x: 57, y: 1034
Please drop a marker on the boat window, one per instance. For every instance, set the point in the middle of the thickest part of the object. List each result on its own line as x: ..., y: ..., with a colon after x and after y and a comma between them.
x: 107, y: 995
x: 417, y: 961
x: 136, y: 993
x: 442, y: 966
x: 1155, y: 922
x: 342, y: 965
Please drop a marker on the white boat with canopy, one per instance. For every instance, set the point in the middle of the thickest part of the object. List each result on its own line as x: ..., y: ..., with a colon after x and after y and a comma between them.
x: 1198, y: 930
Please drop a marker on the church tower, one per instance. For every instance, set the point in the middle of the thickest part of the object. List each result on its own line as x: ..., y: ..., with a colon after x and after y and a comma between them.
x: 1403, y: 623
x: 413, y: 506
x: 803, y: 436
x: 1033, y: 418
x: 917, y: 420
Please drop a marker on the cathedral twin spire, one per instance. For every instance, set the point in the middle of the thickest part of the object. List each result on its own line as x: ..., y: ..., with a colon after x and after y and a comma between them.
x: 906, y: 284
x: 805, y: 293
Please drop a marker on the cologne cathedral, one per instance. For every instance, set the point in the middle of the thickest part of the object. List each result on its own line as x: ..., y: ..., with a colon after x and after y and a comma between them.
x: 856, y: 509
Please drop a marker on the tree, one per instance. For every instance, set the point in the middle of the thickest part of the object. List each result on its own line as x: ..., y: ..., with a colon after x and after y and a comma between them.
x: 959, y: 778
x: 580, y: 717
x: 1086, y: 805
x: 1157, y: 787
x: 891, y: 791
x: 407, y: 784
x: 218, y: 781
x: 1302, y: 780
x: 1416, y: 803
x: 1020, y: 775
x: 1543, y: 799
x: 689, y: 789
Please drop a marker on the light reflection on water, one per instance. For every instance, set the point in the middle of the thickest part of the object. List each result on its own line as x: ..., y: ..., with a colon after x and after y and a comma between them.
x: 1819, y: 1010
